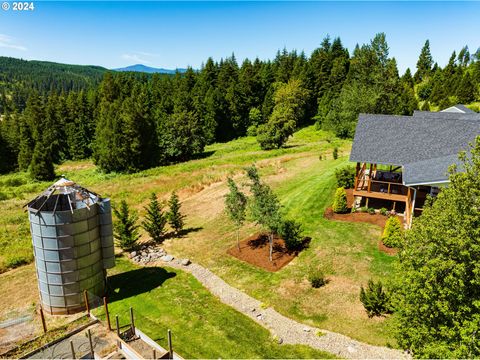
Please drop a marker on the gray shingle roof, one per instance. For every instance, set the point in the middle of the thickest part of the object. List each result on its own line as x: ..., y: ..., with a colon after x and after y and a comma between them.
x: 424, y: 145
x: 446, y: 115
x: 459, y: 108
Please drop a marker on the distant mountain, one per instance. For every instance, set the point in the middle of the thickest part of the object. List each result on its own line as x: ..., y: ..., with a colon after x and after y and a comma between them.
x: 148, y: 69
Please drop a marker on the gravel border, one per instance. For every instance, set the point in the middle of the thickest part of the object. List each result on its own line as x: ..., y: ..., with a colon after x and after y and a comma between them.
x: 285, y: 330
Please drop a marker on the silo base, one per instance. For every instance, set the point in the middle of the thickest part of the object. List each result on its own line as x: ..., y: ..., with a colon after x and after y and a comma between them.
x: 63, y: 311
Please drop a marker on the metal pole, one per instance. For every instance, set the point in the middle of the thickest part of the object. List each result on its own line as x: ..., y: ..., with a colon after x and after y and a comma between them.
x: 118, y: 325
x: 42, y: 316
x: 72, y: 349
x: 106, y: 313
x: 90, y: 341
x: 170, y: 349
x: 132, y: 322
x: 85, y: 297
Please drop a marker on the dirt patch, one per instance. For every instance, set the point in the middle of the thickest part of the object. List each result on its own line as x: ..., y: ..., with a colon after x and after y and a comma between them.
x: 255, y: 251
x: 375, y: 219
x: 386, y: 249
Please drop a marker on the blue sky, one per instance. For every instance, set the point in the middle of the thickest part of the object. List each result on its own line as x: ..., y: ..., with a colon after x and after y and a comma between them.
x: 178, y: 34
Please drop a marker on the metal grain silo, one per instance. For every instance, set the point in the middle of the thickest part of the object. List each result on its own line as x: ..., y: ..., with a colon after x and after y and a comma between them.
x: 72, y: 239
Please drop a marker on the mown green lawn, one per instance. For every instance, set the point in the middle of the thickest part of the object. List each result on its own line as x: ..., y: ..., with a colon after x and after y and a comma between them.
x: 347, y: 253
x: 202, y: 327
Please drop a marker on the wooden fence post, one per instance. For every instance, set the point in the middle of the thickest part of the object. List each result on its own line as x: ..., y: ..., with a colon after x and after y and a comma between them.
x: 85, y: 297
x: 42, y: 316
x: 118, y: 325
x: 72, y: 349
x: 132, y: 322
x: 170, y: 349
x: 106, y: 313
x: 90, y: 341
x: 154, y: 354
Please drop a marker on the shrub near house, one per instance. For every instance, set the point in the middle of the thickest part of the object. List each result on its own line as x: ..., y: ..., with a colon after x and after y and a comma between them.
x: 393, y: 232
x: 340, y: 201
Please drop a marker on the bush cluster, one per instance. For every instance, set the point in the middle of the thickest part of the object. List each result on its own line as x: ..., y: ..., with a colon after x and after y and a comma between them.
x: 340, y: 201
x: 291, y: 232
x: 345, y: 177
x: 393, y: 233
x: 375, y: 300
x: 317, y: 279
x: 383, y: 211
x: 371, y: 211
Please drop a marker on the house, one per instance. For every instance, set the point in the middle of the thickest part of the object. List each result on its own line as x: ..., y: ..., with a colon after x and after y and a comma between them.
x: 402, y: 159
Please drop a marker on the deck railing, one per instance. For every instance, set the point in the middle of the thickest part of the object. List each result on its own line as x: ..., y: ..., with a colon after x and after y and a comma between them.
x: 387, y: 187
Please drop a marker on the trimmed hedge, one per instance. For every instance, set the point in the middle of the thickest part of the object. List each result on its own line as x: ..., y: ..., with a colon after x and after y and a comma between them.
x: 340, y: 201
x: 393, y: 233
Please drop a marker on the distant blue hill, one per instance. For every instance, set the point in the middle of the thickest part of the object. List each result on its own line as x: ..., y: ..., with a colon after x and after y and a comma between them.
x: 148, y: 69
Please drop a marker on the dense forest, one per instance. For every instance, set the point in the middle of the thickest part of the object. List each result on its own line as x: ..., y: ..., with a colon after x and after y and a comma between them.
x: 129, y: 121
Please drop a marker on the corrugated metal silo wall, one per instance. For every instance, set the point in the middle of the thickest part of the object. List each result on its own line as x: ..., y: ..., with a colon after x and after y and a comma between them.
x: 69, y: 256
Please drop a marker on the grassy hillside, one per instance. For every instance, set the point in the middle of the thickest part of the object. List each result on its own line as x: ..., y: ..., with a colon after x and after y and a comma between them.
x: 347, y: 252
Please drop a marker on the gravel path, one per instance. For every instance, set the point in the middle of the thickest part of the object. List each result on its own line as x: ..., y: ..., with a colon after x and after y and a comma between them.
x: 286, y: 330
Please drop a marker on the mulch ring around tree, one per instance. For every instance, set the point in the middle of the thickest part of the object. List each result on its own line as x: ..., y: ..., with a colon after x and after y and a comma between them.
x: 255, y: 250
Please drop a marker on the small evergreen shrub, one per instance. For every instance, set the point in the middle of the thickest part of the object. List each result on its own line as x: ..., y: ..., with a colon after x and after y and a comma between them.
x: 291, y: 232
x: 317, y: 279
x: 125, y: 227
x: 393, y: 233
x: 363, y: 209
x: 354, y: 210
x: 345, y: 177
x: 340, y: 201
x: 375, y: 300
x: 335, y: 153
x: 371, y: 211
x: 383, y: 211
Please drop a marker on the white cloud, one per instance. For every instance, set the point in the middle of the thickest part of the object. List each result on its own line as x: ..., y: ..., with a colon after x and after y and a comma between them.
x: 139, y: 57
x: 135, y: 58
x: 9, y: 43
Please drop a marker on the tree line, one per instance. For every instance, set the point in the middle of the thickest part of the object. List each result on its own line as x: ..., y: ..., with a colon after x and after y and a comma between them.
x: 131, y: 121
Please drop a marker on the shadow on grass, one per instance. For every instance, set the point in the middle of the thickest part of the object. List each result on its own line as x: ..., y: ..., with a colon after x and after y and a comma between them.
x: 135, y: 282
x: 181, y: 233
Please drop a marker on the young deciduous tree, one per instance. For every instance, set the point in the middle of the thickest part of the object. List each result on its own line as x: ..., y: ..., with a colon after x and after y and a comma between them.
x: 265, y: 208
x: 289, y: 108
x: 174, y: 216
x: 439, y: 281
x: 125, y: 228
x: 155, y: 220
x: 235, y: 206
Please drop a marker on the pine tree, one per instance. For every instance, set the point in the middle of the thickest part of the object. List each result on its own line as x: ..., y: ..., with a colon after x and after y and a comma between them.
x: 235, y: 206
x: 466, y: 90
x: 125, y: 228
x: 424, y: 63
x: 41, y: 167
x: 155, y: 220
x: 174, y: 216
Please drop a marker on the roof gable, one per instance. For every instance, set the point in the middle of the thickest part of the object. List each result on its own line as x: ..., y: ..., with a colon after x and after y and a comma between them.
x: 415, y: 142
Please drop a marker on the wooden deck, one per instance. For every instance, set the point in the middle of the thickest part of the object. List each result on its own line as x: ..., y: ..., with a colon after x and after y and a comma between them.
x: 380, y: 195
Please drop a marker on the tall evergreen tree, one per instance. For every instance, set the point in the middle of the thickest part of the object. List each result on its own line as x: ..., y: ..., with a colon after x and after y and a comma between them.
x: 424, y: 63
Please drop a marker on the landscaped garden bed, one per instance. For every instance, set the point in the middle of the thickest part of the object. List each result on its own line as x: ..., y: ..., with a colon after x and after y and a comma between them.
x: 255, y: 251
